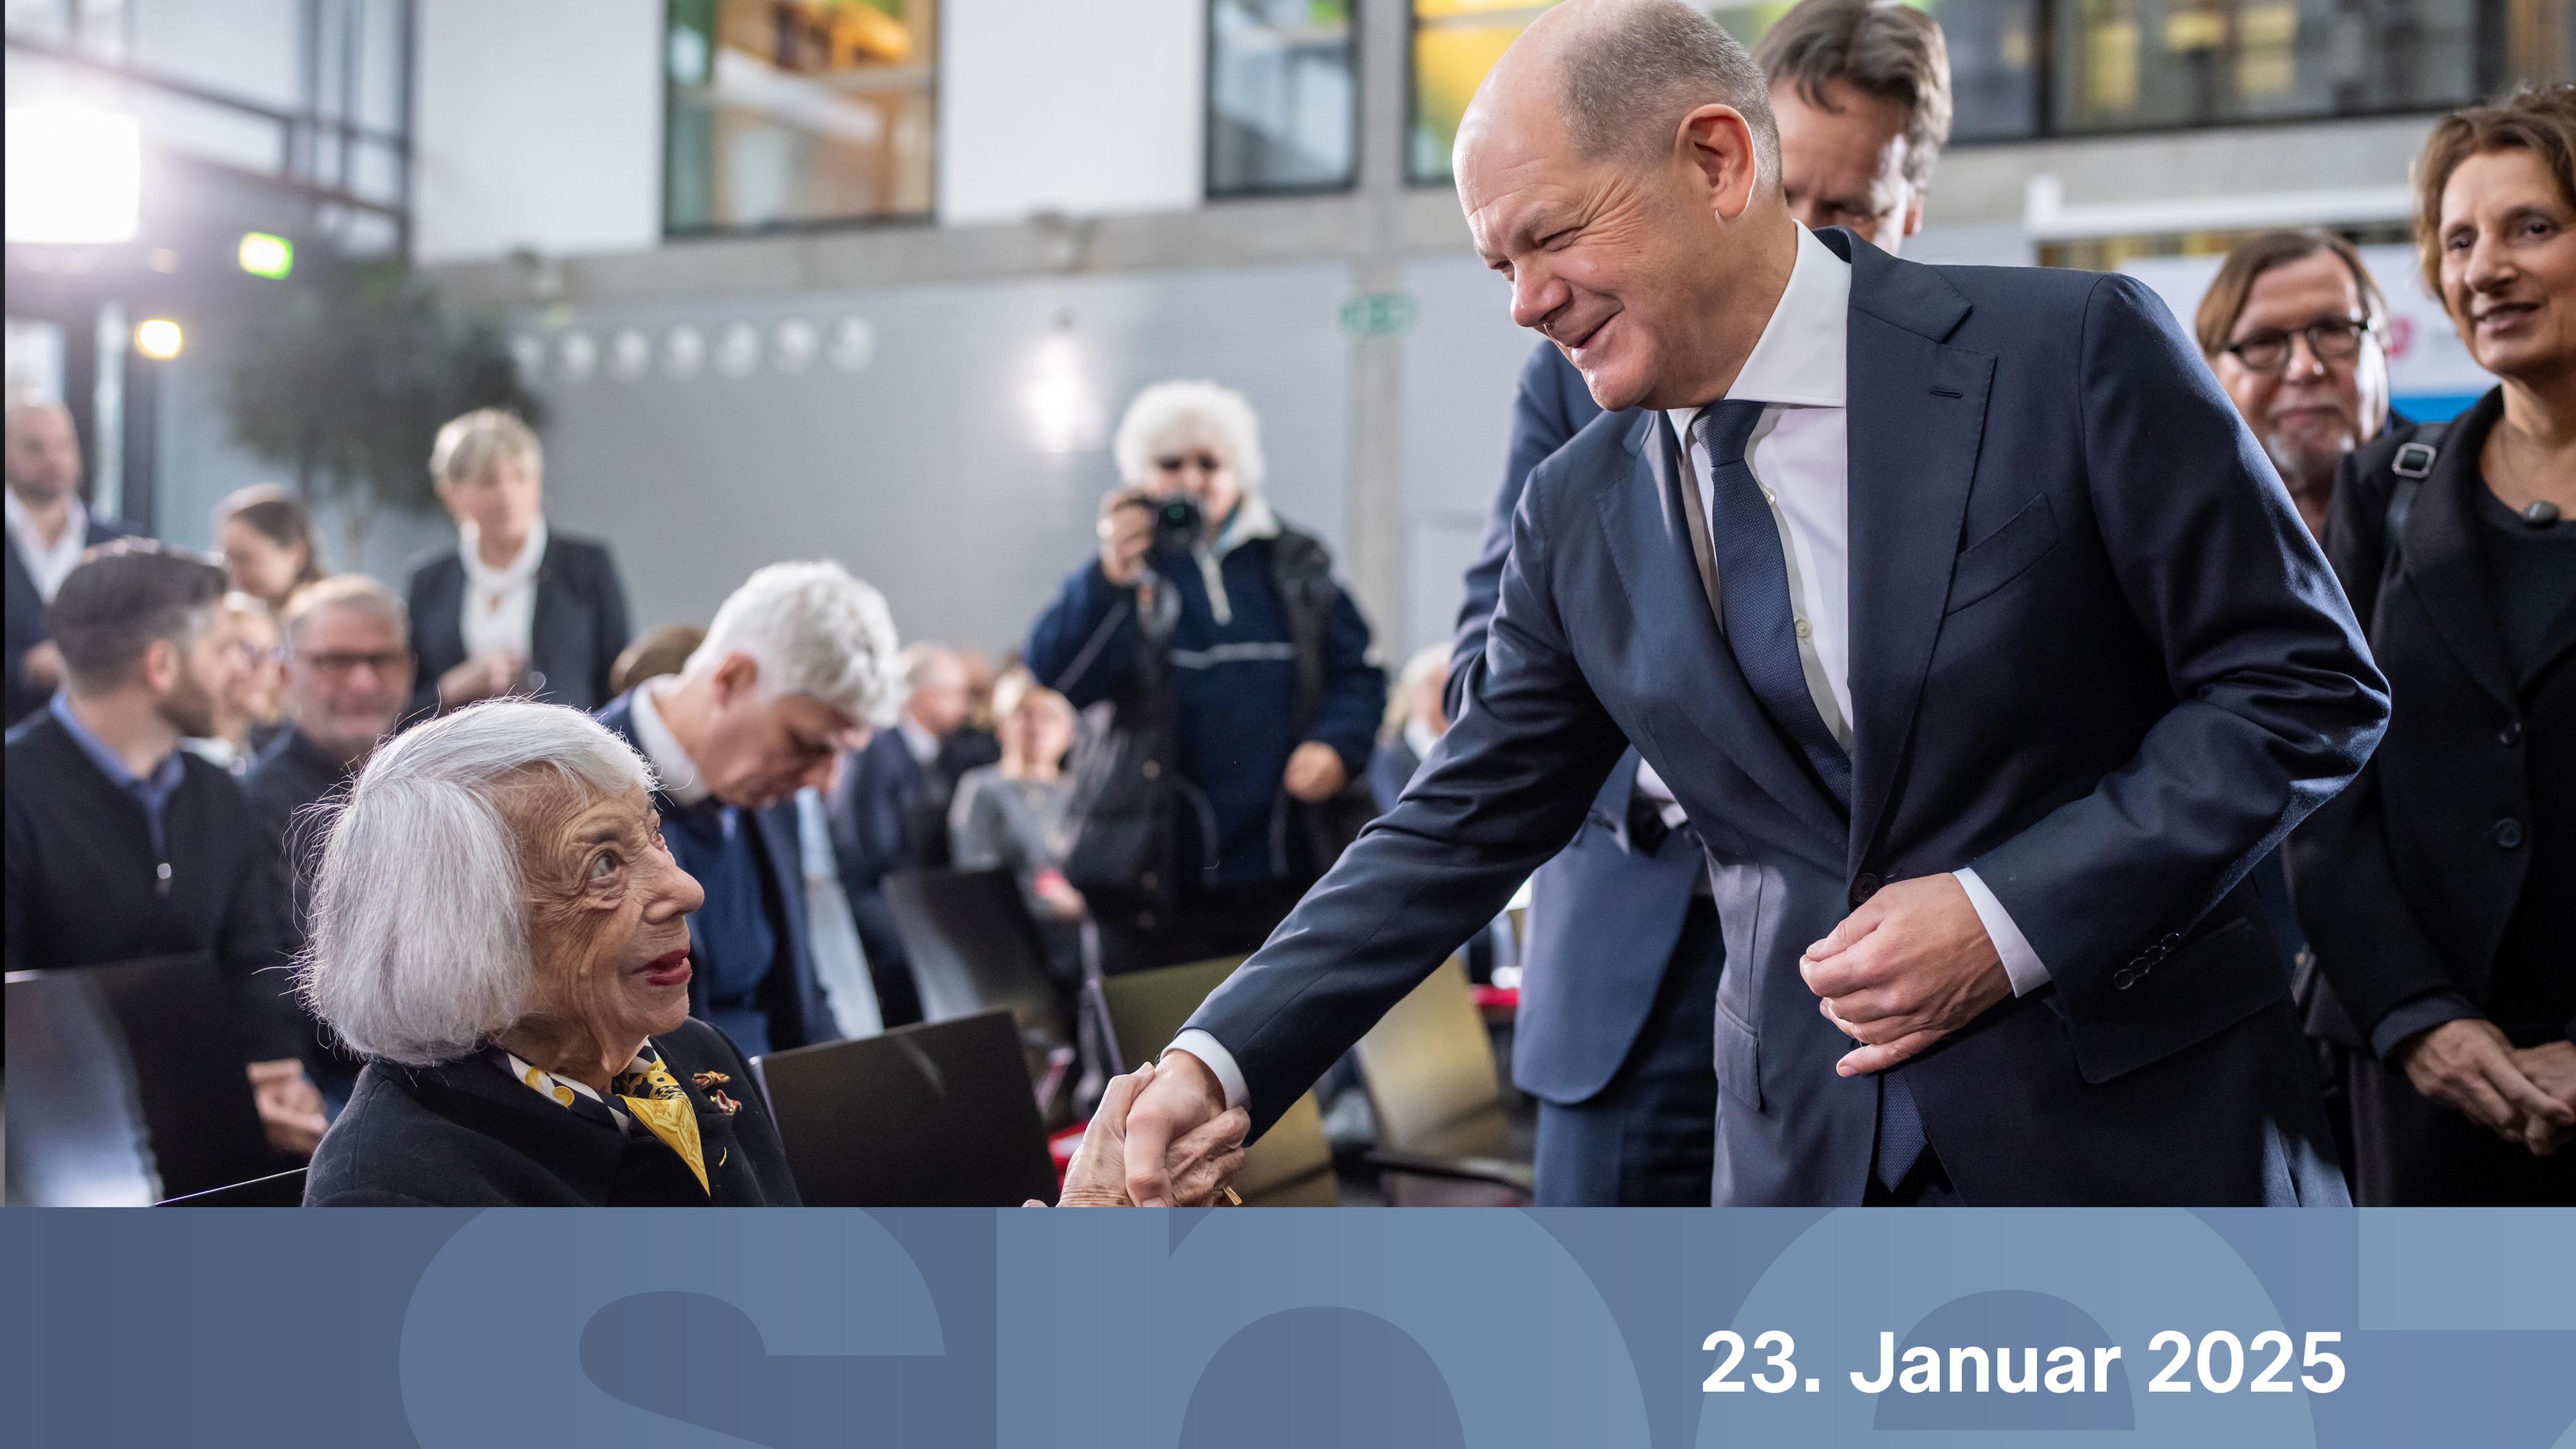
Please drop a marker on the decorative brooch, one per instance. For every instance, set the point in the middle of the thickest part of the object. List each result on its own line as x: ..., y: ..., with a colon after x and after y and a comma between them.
x: 706, y: 1082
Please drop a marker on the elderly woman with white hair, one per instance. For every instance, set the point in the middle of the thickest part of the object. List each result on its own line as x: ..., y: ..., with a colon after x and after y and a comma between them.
x: 499, y: 930
x: 1242, y: 704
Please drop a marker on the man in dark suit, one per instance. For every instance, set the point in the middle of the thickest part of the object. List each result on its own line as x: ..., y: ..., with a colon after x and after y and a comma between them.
x: 49, y: 529
x: 1967, y: 625
x: 1621, y: 970
x: 797, y: 664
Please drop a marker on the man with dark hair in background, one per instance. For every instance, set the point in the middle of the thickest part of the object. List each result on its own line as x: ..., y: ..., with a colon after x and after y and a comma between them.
x: 2295, y: 328
x: 49, y: 529
x: 1620, y: 972
x: 121, y: 845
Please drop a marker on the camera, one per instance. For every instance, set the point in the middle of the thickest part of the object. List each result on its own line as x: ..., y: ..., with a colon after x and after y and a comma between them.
x: 1177, y: 525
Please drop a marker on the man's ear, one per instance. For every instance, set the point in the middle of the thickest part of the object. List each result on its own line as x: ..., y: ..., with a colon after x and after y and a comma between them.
x: 160, y: 666
x: 1913, y: 213
x: 736, y: 677
x: 1717, y: 142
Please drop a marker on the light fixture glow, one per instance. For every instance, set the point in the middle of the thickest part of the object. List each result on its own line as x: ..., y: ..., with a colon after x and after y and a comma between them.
x: 75, y: 176
x: 158, y: 338
x: 264, y: 255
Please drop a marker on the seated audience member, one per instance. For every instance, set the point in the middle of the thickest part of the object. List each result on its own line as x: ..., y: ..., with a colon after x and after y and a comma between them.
x: 1012, y: 814
x: 2295, y: 328
x: 1415, y: 720
x: 123, y: 846
x: 348, y: 674
x: 888, y: 809
x: 49, y: 530
x: 2437, y: 886
x: 796, y: 667
x: 269, y: 544
x: 662, y: 649
x: 515, y: 607
x: 499, y: 928
x: 1243, y: 703
x: 249, y: 714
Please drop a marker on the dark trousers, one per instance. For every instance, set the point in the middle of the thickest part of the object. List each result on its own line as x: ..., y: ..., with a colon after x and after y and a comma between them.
x: 1648, y: 1139
x: 2411, y: 1151
x: 1140, y: 933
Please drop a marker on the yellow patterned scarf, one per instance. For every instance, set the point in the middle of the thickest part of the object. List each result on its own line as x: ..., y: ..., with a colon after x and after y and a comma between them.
x: 647, y: 1096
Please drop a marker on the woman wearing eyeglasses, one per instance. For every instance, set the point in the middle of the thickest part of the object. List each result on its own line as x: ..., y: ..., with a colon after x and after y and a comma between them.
x: 1244, y: 708
x: 2294, y: 327
x: 2440, y: 889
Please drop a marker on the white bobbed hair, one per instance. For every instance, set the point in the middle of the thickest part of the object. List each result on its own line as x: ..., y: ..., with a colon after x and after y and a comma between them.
x: 814, y: 631
x: 418, y: 947
x: 1172, y: 415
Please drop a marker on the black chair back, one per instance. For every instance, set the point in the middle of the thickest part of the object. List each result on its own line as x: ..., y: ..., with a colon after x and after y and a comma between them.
x: 278, y: 1189
x: 126, y: 1084
x: 973, y: 948
x: 933, y: 1115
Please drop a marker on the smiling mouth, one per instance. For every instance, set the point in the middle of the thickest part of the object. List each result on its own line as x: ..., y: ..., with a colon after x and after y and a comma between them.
x: 1577, y: 344
x: 668, y: 970
x: 2507, y: 314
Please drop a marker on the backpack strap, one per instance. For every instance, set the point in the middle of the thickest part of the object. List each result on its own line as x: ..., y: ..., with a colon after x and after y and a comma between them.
x: 2412, y: 464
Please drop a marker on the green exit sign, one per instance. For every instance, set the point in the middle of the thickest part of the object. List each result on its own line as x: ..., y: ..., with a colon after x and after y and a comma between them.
x: 1378, y: 314
x: 264, y: 255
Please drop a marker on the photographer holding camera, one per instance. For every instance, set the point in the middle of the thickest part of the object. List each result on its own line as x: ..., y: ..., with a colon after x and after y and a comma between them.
x: 1229, y: 704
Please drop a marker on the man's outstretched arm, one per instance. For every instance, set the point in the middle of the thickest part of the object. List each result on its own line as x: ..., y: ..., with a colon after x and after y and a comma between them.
x: 1499, y: 795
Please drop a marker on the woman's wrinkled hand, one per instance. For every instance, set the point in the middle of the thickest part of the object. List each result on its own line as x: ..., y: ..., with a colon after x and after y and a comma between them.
x: 1202, y: 1163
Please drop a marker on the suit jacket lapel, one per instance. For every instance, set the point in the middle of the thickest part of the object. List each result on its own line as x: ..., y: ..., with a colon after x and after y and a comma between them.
x: 1651, y: 548
x: 2440, y: 556
x: 1915, y: 415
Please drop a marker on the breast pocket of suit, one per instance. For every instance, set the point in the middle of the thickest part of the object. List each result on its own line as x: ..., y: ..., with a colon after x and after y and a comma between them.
x: 2004, y: 555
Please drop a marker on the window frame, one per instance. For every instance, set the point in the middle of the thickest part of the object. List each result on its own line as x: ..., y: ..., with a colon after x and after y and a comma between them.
x: 928, y: 216
x: 1209, y: 190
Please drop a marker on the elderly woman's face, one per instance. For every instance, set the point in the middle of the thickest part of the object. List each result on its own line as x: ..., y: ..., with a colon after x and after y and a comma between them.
x: 1201, y: 469
x: 2508, y: 249
x: 610, y: 928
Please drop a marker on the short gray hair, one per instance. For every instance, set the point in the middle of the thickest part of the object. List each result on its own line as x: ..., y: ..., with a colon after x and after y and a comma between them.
x: 418, y: 951
x: 355, y: 592
x: 1629, y: 79
x: 468, y: 446
x: 1877, y: 47
x: 1176, y: 414
x: 814, y: 631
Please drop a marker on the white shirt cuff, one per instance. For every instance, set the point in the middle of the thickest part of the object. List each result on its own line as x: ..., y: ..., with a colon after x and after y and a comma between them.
x: 1220, y: 1061
x: 2021, y: 963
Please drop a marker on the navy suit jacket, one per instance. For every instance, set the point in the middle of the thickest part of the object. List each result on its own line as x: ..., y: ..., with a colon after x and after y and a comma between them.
x: 579, y: 629
x: 1604, y: 915
x: 2095, y: 654
x: 26, y: 618
x: 798, y: 1014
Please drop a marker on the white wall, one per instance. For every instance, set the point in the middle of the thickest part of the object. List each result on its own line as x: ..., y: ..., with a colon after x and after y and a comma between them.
x: 539, y: 124
x: 1070, y: 105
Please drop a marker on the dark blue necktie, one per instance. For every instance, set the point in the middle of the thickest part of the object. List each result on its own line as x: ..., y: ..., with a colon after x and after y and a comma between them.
x: 1762, y: 632
x: 1753, y: 574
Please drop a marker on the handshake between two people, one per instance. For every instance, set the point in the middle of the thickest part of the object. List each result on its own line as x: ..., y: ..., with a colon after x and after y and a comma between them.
x: 1197, y: 1166
x: 1910, y: 966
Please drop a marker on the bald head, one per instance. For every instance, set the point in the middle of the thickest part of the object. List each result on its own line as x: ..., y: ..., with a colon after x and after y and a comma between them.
x: 1620, y: 168
x: 1619, y: 76
x: 41, y: 451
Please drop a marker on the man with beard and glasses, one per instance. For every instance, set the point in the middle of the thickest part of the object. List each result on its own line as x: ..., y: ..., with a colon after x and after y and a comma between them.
x: 2296, y: 330
x: 121, y: 845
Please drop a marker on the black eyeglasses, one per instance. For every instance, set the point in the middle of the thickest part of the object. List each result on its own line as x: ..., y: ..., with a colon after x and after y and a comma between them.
x: 2337, y: 339
x: 1207, y: 462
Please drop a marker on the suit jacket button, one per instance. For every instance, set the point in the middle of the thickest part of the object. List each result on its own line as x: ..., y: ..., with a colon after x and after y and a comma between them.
x: 2123, y: 979
x: 2507, y: 833
x: 1863, y: 886
x: 1148, y: 880
x: 1153, y: 770
x: 2511, y: 734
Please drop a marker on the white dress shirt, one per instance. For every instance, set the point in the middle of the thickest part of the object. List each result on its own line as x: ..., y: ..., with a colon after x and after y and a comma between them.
x: 47, y: 563
x: 1801, y: 455
x: 678, y: 773
x: 501, y: 604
